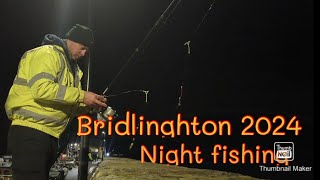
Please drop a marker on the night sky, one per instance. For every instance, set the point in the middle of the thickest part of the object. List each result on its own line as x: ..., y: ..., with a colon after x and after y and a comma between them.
x: 247, y: 57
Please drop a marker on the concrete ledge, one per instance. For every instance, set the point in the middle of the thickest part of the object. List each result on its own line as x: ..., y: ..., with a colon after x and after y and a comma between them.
x: 123, y: 168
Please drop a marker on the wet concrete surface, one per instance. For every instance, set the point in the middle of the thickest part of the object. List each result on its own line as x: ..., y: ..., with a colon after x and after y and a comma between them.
x: 116, y: 168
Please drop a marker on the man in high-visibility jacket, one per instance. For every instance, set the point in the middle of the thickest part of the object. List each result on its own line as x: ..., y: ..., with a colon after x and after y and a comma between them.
x: 45, y: 96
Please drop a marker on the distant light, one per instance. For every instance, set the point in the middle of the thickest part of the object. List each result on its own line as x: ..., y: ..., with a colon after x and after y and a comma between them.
x: 104, y: 140
x: 103, y: 132
x: 108, y: 154
x: 75, y: 144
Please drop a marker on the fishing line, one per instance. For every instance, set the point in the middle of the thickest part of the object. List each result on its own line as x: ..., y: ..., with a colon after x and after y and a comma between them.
x: 188, y: 44
x: 126, y: 92
x: 206, y: 14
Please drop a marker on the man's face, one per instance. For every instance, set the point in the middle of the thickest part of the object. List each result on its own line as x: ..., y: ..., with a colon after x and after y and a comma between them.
x: 77, y: 50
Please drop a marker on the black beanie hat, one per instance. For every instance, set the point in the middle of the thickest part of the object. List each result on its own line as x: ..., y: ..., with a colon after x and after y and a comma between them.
x: 81, y: 34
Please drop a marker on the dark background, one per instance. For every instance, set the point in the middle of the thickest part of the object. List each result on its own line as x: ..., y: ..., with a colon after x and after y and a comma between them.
x: 247, y: 57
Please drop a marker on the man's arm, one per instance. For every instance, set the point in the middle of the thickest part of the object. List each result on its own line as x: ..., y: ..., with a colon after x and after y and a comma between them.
x: 42, y: 76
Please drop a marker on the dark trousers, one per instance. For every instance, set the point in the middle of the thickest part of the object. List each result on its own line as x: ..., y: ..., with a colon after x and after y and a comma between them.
x: 33, y: 153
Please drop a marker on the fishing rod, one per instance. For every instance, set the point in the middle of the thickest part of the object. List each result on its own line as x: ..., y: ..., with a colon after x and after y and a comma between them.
x: 165, y: 16
x: 109, y: 111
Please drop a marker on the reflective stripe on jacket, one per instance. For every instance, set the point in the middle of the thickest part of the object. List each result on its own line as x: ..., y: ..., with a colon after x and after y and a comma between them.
x: 44, y: 94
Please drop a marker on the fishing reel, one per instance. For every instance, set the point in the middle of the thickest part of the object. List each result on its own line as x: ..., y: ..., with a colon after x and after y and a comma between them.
x: 108, y: 111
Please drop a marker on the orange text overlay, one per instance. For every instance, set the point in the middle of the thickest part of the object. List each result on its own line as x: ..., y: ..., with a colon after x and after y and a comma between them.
x: 220, y: 154
x: 171, y: 128
x: 133, y: 125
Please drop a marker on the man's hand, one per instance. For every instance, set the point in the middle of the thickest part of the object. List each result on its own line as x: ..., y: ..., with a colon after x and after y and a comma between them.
x: 94, y: 100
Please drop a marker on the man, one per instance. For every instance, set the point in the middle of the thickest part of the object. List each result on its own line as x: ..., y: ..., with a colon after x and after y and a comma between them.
x: 45, y: 96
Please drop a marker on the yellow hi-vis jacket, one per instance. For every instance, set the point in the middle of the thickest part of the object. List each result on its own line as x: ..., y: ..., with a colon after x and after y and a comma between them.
x: 45, y: 95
